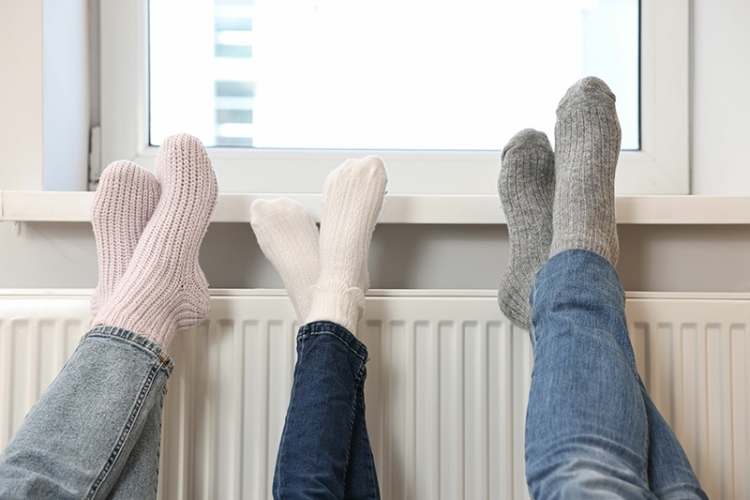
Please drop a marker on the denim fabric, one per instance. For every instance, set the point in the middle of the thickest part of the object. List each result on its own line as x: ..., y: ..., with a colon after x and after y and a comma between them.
x: 139, y: 477
x: 324, y: 450
x: 592, y: 431
x: 76, y: 441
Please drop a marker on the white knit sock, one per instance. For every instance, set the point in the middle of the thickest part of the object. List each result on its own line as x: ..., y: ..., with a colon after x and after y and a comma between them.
x: 352, y: 200
x: 124, y: 202
x: 288, y: 236
x: 163, y: 290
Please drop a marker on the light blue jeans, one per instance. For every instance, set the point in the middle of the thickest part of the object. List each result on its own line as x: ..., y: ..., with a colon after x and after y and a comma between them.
x: 95, y: 432
x: 592, y: 430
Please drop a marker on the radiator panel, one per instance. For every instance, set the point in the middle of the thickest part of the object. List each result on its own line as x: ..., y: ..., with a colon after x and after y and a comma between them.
x: 447, y: 387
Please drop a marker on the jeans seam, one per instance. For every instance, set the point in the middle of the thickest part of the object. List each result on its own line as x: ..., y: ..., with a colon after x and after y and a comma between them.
x: 125, y: 432
x: 359, y: 387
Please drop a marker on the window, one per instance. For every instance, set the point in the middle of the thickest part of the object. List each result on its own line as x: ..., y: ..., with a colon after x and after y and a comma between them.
x: 238, y: 77
x: 417, y: 75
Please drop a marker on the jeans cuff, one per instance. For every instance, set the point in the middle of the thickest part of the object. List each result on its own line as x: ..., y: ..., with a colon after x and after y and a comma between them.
x: 131, y: 337
x: 336, y: 330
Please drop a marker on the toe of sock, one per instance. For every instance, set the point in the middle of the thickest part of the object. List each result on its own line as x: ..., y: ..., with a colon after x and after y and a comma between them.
x: 526, y: 139
x: 589, y: 91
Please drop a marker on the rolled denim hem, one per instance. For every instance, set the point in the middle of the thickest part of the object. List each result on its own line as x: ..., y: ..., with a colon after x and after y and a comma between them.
x: 329, y: 328
x: 144, y: 343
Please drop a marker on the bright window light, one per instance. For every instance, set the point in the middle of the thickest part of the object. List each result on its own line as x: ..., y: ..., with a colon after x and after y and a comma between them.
x: 386, y: 74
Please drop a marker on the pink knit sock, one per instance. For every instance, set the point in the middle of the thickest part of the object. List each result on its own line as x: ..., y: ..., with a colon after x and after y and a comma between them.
x: 124, y: 202
x: 163, y: 290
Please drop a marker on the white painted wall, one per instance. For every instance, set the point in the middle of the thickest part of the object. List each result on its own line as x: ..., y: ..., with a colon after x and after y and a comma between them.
x: 44, y: 100
x: 720, y: 97
x: 21, y: 126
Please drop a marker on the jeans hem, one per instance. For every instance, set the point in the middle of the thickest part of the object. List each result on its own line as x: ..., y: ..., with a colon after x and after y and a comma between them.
x: 329, y: 328
x: 136, y: 339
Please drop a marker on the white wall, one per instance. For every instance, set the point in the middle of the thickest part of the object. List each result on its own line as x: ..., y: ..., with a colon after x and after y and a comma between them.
x: 721, y: 97
x: 44, y: 100
x: 21, y: 63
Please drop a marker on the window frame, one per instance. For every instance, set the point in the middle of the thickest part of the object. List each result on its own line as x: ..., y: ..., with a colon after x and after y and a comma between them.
x: 661, y: 166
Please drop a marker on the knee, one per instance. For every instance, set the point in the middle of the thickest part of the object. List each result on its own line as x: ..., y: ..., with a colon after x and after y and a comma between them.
x: 585, y: 479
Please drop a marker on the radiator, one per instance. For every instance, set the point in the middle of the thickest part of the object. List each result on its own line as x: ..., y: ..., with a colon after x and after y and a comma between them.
x: 446, y: 393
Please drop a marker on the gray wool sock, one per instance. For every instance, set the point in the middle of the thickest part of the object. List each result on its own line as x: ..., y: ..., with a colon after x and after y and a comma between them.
x: 527, y: 187
x: 587, y: 148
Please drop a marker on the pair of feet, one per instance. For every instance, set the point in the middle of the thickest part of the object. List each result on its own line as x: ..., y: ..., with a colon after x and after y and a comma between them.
x: 325, y: 273
x: 149, y: 228
x: 555, y: 201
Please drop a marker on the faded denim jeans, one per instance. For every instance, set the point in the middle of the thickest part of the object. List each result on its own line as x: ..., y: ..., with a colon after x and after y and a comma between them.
x: 592, y: 430
x: 95, y: 432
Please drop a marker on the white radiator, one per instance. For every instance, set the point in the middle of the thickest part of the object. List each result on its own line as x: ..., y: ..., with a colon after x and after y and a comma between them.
x: 446, y: 391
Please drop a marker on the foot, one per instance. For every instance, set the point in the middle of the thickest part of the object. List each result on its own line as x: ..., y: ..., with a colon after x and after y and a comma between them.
x: 587, y: 148
x: 352, y: 200
x: 124, y: 203
x: 527, y: 187
x: 288, y: 236
x: 163, y: 290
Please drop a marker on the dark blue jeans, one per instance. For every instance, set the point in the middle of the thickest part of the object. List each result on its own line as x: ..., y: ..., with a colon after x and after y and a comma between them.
x: 592, y: 430
x: 325, y: 450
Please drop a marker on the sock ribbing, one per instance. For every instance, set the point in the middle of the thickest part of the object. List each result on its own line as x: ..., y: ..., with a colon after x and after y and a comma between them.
x: 526, y: 185
x: 352, y: 200
x: 587, y: 148
x: 288, y: 237
x: 124, y: 202
x: 163, y: 290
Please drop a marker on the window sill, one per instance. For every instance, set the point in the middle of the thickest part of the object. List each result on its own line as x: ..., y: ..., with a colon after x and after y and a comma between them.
x: 49, y: 206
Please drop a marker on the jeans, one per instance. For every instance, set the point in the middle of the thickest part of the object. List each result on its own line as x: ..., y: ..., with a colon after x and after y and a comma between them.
x: 592, y: 430
x: 325, y: 450
x: 95, y: 433
x: 83, y: 439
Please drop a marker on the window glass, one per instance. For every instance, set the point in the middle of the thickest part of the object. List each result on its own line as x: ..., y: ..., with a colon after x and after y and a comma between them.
x: 385, y: 74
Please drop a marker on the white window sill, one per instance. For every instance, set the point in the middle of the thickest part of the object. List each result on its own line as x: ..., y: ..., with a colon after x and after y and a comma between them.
x: 37, y: 206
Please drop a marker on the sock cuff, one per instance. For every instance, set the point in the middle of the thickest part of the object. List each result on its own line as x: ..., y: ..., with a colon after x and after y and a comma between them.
x: 338, y: 303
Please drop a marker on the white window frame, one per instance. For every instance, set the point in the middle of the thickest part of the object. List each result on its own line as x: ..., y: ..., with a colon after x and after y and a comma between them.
x: 660, y: 167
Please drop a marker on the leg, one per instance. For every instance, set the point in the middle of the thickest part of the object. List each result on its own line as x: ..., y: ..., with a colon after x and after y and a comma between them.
x: 592, y: 430
x: 329, y: 278
x: 527, y: 189
x: 316, y: 454
x: 76, y: 439
x: 361, y: 478
x: 669, y: 472
x: 586, y: 427
x: 588, y: 142
x: 139, y: 477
